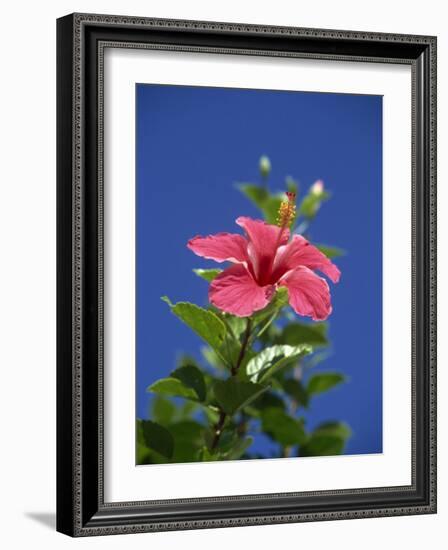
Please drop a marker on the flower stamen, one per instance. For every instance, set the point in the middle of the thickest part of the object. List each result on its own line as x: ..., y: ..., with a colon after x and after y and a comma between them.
x: 286, y: 214
x: 287, y: 210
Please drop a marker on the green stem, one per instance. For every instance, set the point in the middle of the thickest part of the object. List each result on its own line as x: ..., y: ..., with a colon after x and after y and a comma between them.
x: 293, y: 408
x: 218, y: 429
x: 243, y: 350
x: 234, y: 371
x: 267, y: 325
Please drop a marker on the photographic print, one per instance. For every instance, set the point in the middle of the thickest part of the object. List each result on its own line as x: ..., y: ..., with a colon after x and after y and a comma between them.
x: 258, y: 274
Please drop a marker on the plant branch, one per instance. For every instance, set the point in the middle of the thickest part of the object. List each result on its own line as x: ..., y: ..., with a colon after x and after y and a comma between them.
x: 234, y: 371
x: 243, y: 350
x: 218, y: 429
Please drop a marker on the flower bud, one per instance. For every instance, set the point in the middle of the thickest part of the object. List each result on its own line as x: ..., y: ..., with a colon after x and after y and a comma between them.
x: 264, y: 166
x: 317, y: 189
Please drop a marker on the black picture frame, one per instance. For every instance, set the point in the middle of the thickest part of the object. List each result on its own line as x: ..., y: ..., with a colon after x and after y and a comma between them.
x: 81, y: 510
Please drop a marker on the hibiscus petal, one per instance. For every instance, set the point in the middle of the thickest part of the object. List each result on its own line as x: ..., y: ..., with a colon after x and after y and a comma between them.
x: 300, y: 252
x: 221, y: 247
x: 309, y: 294
x: 235, y: 291
x: 264, y: 241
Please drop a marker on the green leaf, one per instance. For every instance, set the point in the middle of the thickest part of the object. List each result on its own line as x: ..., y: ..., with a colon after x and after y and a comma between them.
x: 272, y: 359
x: 157, y: 437
x: 187, y: 409
x: 335, y: 429
x: 330, y: 251
x: 186, y: 359
x: 266, y: 202
x: 163, y: 410
x: 233, y: 394
x: 207, y: 274
x: 211, y: 413
x: 172, y: 387
x: 239, y: 448
x: 295, y: 334
x: 231, y: 348
x: 205, y: 455
x: 282, y: 427
x: 236, y: 325
x: 212, y: 358
x: 258, y: 195
x: 292, y: 185
x: 311, y: 203
x: 227, y: 440
x: 319, y: 383
x: 203, y: 322
x: 271, y: 207
x: 192, y: 378
x: 188, y: 439
x: 328, y: 439
x: 317, y: 358
x: 143, y: 454
x: 279, y: 301
x: 297, y: 391
x: 269, y: 337
x: 323, y: 446
x: 231, y: 448
x: 269, y: 400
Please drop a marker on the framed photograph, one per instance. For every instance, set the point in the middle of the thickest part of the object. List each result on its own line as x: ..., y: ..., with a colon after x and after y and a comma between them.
x: 246, y: 274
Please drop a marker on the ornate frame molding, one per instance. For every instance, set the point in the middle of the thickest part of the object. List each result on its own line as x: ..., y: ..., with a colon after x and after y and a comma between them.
x: 81, y: 42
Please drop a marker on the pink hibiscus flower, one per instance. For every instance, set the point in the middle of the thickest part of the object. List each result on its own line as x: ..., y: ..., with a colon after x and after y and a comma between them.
x: 263, y: 260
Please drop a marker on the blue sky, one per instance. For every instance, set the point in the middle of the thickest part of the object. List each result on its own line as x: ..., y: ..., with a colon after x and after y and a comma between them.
x: 193, y: 144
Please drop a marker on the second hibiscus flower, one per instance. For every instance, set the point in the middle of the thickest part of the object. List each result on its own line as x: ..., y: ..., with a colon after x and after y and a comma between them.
x: 264, y: 259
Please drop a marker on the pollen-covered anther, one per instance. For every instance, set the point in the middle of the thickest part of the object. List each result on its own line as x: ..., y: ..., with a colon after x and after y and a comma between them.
x: 287, y: 210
